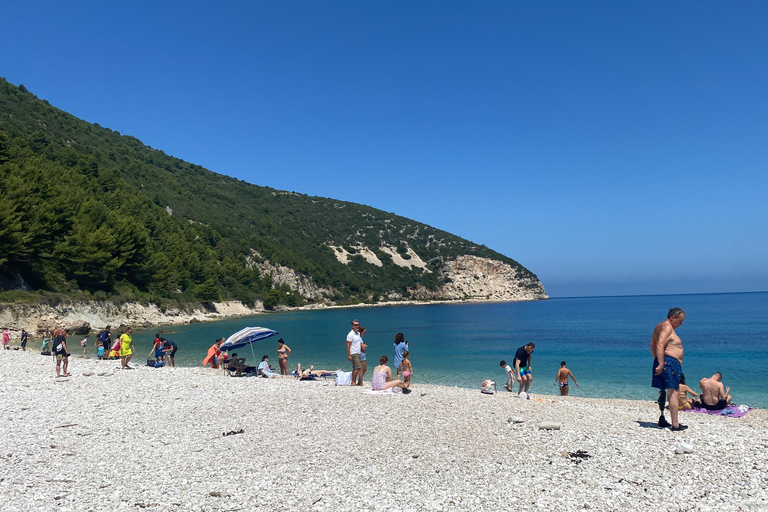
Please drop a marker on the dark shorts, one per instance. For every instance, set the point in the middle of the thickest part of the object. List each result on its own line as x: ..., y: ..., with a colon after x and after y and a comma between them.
x: 670, y: 376
x: 719, y: 406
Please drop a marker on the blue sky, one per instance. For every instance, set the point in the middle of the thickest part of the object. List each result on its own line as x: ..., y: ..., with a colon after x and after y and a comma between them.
x: 611, y: 147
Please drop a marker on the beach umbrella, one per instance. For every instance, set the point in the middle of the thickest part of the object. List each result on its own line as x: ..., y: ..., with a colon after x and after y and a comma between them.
x: 245, y: 337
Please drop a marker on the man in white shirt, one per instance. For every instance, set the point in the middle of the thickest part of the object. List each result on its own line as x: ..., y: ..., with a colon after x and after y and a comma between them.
x: 354, y: 342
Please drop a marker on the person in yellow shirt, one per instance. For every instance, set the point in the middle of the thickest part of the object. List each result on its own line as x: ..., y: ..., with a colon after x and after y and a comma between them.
x: 126, y: 348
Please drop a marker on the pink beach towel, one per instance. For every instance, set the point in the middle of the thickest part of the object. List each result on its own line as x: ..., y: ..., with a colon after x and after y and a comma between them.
x: 731, y: 410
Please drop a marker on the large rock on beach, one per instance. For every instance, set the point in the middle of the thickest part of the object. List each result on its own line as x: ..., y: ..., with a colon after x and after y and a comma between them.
x: 80, y: 327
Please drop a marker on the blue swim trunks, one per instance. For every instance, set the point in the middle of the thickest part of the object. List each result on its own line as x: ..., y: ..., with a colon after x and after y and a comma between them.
x: 524, y: 371
x: 670, y: 376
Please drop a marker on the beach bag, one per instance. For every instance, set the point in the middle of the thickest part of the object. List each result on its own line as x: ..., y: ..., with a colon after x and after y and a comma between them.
x: 116, y: 345
x: 150, y: 362
x: 343, y: 378
x: 489, y: 387
x: 82, y: 342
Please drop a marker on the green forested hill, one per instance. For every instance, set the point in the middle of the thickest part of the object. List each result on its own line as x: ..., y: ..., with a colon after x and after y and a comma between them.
x: 87, y: 212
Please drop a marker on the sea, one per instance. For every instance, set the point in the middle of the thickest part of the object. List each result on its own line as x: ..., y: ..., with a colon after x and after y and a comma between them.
x: 604, y: 341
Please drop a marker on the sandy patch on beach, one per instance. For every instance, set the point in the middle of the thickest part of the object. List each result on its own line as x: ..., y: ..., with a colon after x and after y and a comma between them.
x: 152, y: 439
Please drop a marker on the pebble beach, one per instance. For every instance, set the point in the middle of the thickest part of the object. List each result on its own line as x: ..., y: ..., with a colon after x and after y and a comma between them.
x: 195, y: 439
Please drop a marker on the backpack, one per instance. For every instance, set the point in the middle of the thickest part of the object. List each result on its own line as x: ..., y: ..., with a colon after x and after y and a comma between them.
x: 489, y: 387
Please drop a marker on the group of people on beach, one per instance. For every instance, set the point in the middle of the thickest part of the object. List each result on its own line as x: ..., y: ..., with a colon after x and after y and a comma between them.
x: 382, y: 374
x: 382, y: 379
x: 667, y: 375
x: 222, y: 358
x: 163, y: 351
x: 522, y: 373
x: 55, y: 344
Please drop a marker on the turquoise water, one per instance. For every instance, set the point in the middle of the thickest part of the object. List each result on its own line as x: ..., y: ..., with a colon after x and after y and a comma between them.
x: 604, y: 340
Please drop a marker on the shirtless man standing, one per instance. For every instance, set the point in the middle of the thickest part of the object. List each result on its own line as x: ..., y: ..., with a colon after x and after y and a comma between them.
x: 713, y: 396
x: 667, y: 350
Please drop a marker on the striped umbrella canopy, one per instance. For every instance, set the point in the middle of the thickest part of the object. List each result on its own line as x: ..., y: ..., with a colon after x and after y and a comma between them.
x: 247, y: 336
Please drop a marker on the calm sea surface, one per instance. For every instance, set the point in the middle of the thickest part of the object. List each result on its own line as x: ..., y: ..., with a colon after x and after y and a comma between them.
x: 604, y: 341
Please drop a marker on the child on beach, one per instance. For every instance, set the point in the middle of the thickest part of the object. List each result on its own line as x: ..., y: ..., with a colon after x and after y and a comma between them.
x: 6, y: 339
x: 156, y: 352
x: 562, y: 378
x: 683, y: 402
x: 407, y: 371
x: 84, y: 344
x: 510, y: 375
x: 266, y: 370
x: 46, y: 341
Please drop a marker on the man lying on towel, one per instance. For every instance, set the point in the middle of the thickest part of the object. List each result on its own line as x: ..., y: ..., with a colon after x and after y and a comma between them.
x: 713, y: 396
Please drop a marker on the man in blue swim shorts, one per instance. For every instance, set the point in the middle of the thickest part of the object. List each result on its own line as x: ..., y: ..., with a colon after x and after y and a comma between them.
x: 523, y: 367
x: 667, y: 350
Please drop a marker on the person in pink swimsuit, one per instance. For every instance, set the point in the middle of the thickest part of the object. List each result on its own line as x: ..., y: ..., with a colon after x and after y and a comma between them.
x: 407, y: 369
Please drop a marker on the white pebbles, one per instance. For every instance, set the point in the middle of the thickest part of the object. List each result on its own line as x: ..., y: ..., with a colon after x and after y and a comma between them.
x: 153, y: 439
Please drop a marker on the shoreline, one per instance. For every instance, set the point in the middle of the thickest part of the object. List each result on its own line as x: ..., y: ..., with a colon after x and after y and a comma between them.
x: 315, y: 446
x: 90, y: 317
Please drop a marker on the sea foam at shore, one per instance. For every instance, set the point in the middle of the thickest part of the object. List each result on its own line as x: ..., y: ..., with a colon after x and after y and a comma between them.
x: 153, y: 439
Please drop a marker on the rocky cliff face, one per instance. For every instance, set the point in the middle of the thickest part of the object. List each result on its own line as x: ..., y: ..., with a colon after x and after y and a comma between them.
x: 468, y: 278
x: 280, y: 275
x: 476, y: 278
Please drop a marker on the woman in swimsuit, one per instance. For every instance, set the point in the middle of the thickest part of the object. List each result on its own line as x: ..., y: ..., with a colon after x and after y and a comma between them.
x: 283, y: 351
x: 382, y: 377
x: 311, y: 373
x: 683, y: 402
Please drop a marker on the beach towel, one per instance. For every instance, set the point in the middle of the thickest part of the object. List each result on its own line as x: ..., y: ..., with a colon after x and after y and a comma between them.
x: 733, y: 411
x: 343, y: 378
x: 390, y: 391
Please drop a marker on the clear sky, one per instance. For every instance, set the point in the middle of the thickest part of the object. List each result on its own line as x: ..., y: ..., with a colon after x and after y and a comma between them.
x: 610, y: 147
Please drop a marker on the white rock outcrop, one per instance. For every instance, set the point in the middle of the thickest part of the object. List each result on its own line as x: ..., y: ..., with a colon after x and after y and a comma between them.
x: 475, y: 278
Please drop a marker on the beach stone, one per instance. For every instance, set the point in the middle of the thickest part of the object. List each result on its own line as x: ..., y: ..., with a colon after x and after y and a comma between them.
x: 549, y: 425
x: 79, y: 327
